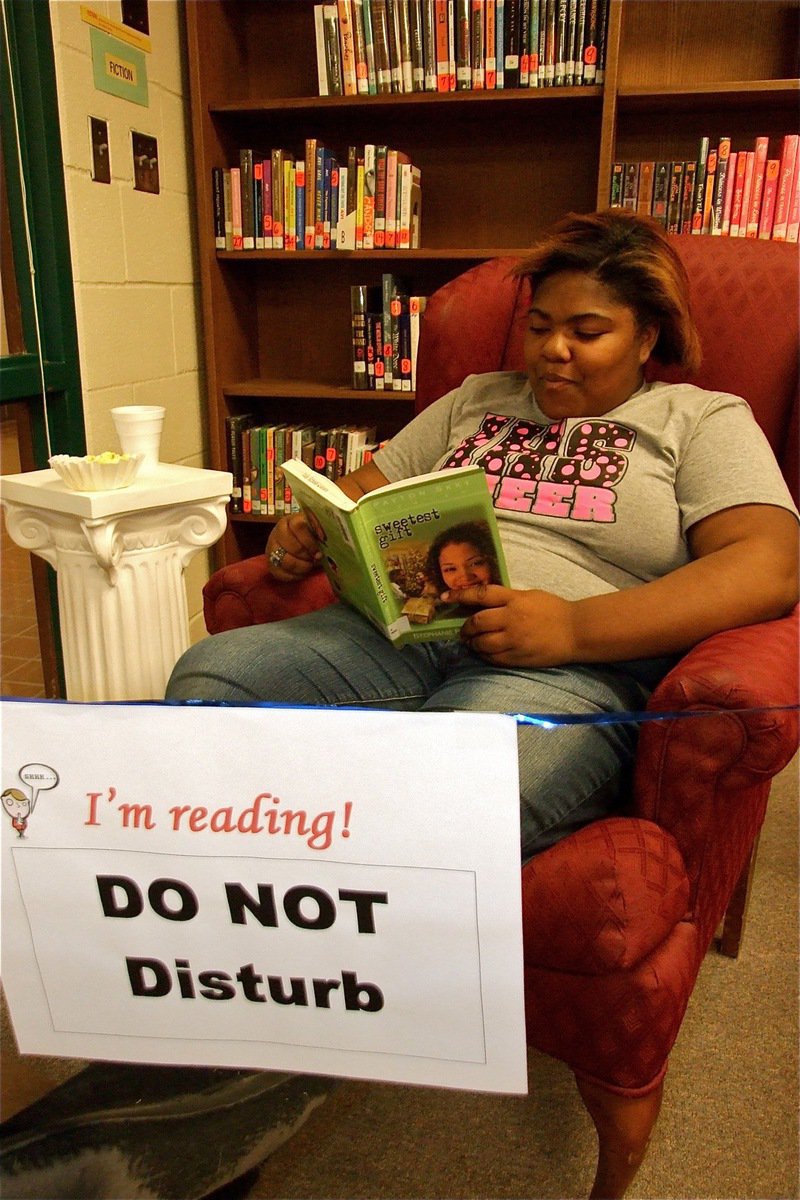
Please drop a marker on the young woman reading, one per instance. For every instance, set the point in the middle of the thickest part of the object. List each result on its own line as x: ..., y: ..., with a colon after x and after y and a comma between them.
x: 636, y: 518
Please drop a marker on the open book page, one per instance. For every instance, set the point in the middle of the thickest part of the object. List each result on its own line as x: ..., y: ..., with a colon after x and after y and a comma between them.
x: 394, y: 551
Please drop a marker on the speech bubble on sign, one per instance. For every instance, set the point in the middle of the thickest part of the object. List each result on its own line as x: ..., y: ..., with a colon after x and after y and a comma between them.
x: 39, y: 778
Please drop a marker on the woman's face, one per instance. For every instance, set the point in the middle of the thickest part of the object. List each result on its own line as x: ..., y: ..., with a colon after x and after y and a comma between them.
x: 583, y: 350
x: 462, y: 565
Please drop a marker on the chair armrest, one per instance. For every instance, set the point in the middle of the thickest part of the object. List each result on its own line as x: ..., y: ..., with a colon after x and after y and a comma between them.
x: 244, y: 593
x: 751, y: 668
x: 706, y: 779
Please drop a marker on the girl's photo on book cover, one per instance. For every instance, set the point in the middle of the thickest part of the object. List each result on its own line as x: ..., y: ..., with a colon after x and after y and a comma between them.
x: 460, y: 556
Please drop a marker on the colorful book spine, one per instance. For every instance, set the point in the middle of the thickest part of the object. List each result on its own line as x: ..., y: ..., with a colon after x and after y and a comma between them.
x: 258, y: 202
x: 218, y: 206
x: 347, y: 46
x: 708, y: 191
x: 429, y: 45
x: 572, y: 30
x: 793, y: 223
x: 580, y: 37
x: 591, y: 43
x: 370, y: 178
x: 727, y: 204
x: 511, y: 44
x: 490, y: 43
x: 380, y: 35
x: 442, y: 46
x: 227, y: 195
x: 380, y: 196
x: 759, y: 170
x: 360, y: 48
x: 768, y: 198
x: 687, y: 202
x: 738, y: 194
x: 390, y: 219
x: 477, y: 47
x: 416, y: 308
x: 417, y: 45
x: 675, y: 197
x: 358, y: 311
x: 319, y: 39
x: 698, y: 200
x: 789, y: 155
x: 644, y: 195
x: 236, y: 207
x: 248, y: 209
x: 395, y: 52
x: 717, y: 202
x: 299, y: 203
x: 499, y: 42
x: 630, y: 187
x: 617, y: 178
x: 333, y: 53
x: 402, y: 9
x: 749, y: 170
x: 369, y: 46
x: 660, y: 205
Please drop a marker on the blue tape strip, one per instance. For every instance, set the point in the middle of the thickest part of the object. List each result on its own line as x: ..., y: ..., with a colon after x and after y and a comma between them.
x: 541, y: 720
x: 550, y: 720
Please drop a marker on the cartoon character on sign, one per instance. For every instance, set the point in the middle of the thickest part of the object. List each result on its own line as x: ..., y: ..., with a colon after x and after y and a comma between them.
x: 38, y: 778
x: 18, y: 807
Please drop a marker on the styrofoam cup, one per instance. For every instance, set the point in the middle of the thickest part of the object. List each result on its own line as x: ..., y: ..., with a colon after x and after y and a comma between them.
x: 139, y: 429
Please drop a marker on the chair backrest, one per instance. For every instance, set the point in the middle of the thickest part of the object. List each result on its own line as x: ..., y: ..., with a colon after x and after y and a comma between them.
x: 744, y: 296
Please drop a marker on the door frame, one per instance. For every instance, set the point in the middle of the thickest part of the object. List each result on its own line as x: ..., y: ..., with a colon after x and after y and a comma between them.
x: 27, y: 58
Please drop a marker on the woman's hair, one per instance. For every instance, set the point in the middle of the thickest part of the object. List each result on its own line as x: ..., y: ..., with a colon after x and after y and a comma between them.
x: 477, y: 534
x: 631, y: 256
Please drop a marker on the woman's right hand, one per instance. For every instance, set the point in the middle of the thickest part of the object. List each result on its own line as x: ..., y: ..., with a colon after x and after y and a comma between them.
x: 292, y: 550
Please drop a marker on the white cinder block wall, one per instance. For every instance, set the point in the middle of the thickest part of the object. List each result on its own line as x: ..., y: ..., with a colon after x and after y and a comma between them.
x: 133, y: 253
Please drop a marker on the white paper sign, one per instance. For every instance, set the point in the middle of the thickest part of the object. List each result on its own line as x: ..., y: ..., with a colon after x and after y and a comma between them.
x: 300, y: 889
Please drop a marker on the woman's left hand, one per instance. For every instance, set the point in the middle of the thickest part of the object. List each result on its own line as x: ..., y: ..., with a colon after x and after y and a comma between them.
x: 517, y: 628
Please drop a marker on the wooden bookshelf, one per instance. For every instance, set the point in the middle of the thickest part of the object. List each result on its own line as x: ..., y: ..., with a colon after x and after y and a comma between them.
x: 497, y: 167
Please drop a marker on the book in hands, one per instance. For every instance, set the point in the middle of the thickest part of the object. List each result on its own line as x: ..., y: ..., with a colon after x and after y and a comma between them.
x: 392, y: 553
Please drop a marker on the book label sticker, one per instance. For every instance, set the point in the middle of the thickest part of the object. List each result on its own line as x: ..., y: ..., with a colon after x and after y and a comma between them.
x: 262, y: 887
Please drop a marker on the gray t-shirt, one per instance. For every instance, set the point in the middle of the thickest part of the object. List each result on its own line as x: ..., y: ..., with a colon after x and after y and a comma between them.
x: 593, y: 504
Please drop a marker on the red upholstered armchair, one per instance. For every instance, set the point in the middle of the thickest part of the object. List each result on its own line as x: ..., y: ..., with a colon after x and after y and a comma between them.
x: 618, y: 917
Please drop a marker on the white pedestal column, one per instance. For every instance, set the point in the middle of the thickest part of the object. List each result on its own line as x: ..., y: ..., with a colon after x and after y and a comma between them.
x: 119, y: 558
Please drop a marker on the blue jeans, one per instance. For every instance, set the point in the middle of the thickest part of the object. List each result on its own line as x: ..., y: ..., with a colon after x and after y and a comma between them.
x: 569, y: 775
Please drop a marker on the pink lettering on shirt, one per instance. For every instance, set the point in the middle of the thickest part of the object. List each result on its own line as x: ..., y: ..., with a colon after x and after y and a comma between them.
x: 540, y: 469
x: 554, y: 499
x: 593, y: 504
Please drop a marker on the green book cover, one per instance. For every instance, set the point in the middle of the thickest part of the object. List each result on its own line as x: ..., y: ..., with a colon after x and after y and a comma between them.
x: 394, y: 551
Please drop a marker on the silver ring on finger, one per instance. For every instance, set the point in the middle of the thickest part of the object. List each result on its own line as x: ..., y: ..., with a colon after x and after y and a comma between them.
x: 277, y: 556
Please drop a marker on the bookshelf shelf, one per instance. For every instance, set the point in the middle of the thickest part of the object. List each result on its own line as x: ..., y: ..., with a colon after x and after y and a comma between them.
x: 498, y: 167
x: 313, y: 389
x: 735, y: 94
x: 433, y: 100
x: 448, y: 253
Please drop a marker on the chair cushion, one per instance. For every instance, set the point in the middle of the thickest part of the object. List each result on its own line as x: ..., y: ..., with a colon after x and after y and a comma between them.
x: 604, y: 898
x: 243, y: 593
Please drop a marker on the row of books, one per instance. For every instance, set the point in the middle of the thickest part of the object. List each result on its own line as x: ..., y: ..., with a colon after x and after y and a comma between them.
x: 369, y: 47
x: 257, y: 452
x: 367, y: 199
x: 724, y: 192
x: 386, y: 323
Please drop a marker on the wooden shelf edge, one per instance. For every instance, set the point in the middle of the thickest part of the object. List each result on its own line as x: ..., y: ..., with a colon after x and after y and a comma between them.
x: 284, y: 104
x: 308, y: 388
x: 253, y: 518
x: 444, y: 254
x: 727, y: 93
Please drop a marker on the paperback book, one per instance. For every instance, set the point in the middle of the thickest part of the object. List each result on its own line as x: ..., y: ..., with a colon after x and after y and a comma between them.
x: 394, y: 552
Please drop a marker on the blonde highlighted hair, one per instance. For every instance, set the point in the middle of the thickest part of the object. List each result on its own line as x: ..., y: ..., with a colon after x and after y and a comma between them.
x: 632, y: 256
